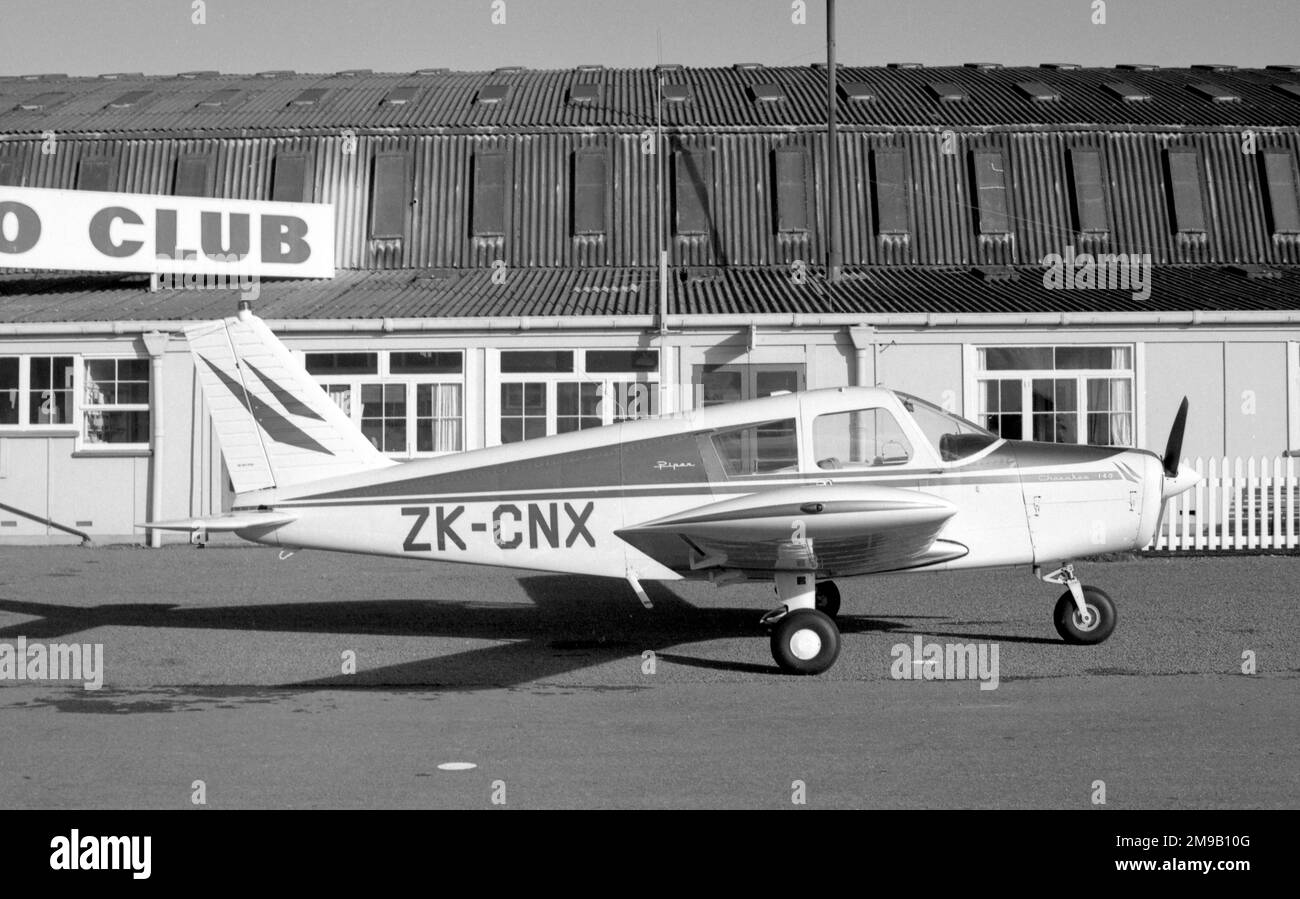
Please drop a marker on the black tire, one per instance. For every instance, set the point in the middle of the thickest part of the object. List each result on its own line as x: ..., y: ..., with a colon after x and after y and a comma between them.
x: 1071, y: 629
x: 828, y: 598
x: 805, y: 641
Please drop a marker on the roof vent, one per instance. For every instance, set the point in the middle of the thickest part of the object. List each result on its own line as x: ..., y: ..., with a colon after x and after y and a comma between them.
x: 45, y: 77
x: 1037, y: 90
x: 982, y: 65
x: 441, y: 71
x: 400, y: 95
x: 668, y: 67
x: 947, y: 92
x: 276, y: 73
x: 219, y: 98
x: 1289, y: 87
x: 310, y: 97
x: 120, y: 76
x: 128, y: 100
x: 354, y: 73
x: 43, y: 101
x: 508, y: 70
x: 1255, y: 272
x: 1061, y: 66
x: 857, y: 91
x: 1126, y: 91
x: 590, y: 67
x: 995, y: 273
x: 1214, y: 67
x: 492, y: 93
x: 747, y: 66
x: 904, y: 65
x: 767, y: 93
x: 201, y: 73
x: 1282, y: 68
x: 1137, y: 66
x: 584, y: 92
x: 1215, y: 92
x: 677, y: 93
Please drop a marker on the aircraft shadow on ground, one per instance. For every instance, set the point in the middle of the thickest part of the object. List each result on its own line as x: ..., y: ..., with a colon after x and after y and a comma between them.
x: 573, y: 622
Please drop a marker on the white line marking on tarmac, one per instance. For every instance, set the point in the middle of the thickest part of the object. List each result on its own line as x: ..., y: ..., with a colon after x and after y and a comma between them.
x: 456, y: 766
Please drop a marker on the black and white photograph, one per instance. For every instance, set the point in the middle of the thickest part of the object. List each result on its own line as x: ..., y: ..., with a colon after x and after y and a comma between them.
x: 424, y: 408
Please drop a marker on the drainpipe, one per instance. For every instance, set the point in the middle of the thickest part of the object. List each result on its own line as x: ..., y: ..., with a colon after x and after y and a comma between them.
x: 156, y: 343
x: 863, y: 337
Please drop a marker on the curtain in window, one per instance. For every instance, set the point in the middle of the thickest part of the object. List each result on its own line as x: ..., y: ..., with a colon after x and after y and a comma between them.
x: 446, y: 411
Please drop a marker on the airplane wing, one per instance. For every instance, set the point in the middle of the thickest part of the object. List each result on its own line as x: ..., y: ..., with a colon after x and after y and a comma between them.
x: 833, y: 530
x: 233, y: 521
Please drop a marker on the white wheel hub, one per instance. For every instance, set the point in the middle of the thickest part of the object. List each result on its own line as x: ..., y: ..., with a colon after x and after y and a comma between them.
x: 805, y: 644
x: 1088, y: 620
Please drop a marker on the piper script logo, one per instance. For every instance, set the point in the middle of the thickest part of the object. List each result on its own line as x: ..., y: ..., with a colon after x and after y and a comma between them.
x: 53, y: 661
x: 77, y: 853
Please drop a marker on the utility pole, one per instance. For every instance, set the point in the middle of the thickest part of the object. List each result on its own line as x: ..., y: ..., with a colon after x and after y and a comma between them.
x: 834, y: 261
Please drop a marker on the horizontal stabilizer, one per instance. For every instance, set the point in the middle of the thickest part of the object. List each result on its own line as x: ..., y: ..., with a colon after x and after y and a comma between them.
x: 235, y: 521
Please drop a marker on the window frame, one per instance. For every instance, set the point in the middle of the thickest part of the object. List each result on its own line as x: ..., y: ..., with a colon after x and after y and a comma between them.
x: 82, y: 407
x: 384, y: 376
x: 607, y: 383
x: 790, y: 196
x: 1080, y: 376
x: 404, y: 192
x: 582, y: 227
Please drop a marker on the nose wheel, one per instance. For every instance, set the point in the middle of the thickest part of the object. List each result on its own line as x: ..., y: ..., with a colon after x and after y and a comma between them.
x: 1090, y: 626
x: 1084, y: 615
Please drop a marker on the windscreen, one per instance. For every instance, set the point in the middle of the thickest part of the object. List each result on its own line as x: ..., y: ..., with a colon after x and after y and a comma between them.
x: 953, y: 437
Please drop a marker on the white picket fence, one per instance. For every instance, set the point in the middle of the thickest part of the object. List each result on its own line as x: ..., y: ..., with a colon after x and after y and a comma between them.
x: 1238, y: 505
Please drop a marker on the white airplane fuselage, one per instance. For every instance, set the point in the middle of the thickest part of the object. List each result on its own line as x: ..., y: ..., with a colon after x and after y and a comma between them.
x: 580, y: 502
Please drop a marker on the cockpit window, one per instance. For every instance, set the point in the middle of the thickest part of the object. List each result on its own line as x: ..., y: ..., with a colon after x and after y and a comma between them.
x: 953, y: 437
x: 865, y: 438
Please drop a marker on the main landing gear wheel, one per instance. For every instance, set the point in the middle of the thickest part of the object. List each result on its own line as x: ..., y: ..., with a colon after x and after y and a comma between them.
x: 828, y: 598
x: 1072, y: 626
x: 805, y: 641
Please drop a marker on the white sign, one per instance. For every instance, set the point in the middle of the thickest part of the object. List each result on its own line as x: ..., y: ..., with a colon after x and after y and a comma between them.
x: 76, y: 230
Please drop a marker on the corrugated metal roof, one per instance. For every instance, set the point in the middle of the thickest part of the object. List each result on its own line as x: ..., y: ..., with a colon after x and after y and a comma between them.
x: 718, y: 97
x: 429, y: 293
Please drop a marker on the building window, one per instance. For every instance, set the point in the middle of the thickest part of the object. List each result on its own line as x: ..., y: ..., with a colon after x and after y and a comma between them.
x: 9, y: 390
x: 10, y: 171
x: 1088, y: 192
x: 49, y: 393
x: 990, y: 191
x: 95, y: 173
x: 1185, y: 200
x: 791, y: 176
x: 292, y: 182
x: 106, y: 399
x: 406, y: 403
x: 193, y: 176
x: 489, y: 213
x: 589, y: 179
x: 1062, y: 394
x: 1280, y: 182
x: 692, y: 174
x: 546, y: 392
x: 115, y: 402
x: 390, y: 197
x: 890, y: 194
x: 717, y: 384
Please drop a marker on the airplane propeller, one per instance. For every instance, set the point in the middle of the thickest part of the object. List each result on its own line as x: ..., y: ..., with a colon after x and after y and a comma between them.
x: 1174, y: 446
x: 1176, y: 478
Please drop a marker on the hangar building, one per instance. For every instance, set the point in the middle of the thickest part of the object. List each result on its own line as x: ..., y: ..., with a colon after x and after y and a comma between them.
x: 498, y: 238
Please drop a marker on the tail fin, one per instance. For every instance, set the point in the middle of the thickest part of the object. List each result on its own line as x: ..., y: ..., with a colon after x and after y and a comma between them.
x: 276, y: 426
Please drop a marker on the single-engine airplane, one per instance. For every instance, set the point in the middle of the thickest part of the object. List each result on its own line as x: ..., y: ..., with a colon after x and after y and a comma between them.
x: 797, y: 489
